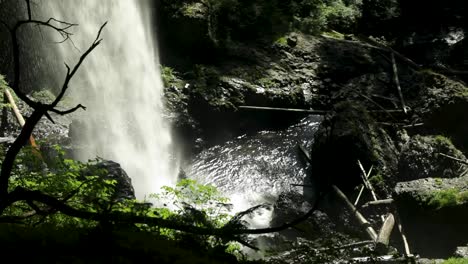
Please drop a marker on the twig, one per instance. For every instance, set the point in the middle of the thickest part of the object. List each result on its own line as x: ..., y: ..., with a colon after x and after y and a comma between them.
x: 359, y: 194
x: 362, y: 188
x: 397, y: 82
x: 453, y: 158
x: 377, y: 45
x: 350, y: 245
x: 368, y: 185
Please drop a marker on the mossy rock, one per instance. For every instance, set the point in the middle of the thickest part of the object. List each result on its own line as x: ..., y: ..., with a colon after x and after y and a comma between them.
x: 348, y: 135
x: 434, y: 209
x: 420, y: 158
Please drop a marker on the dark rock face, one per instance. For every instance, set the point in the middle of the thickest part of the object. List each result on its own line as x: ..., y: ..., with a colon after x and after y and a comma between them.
x: 420, y: 158
x: 346, y: 137
x: 124, y: 189
x: 292, y: 205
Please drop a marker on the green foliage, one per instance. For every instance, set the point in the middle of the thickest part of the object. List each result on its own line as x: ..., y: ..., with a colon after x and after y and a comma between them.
x: 195, y: 204
x: 447, y: 198
x: 281, y: 41
x: 169, y: 77
x: 456, y: 261
x: 65, y: 180
x: 228, y: 20
x: 45, y: 96
x: 3, y: 86
x: 84, y: 186
x: 377, y: 180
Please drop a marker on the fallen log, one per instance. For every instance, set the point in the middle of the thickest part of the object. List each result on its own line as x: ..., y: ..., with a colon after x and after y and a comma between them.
x: 378, y: 202
x: 359, y: 217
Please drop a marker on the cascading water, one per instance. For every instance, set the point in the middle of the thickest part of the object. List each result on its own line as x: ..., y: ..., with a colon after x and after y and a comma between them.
x: 121, y: 86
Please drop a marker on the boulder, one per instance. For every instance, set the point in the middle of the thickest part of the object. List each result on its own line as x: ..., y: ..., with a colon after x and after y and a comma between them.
x: 124, y: 189
x: 420, y: 158
x: 434, y: 212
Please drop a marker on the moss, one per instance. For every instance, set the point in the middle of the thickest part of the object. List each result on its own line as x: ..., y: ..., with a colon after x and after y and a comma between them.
x: 266, y: 82
x: 334, y: 34
x: 377, y: 180
x: 447, y: 198
x: 456, y: 261
x: 281, y: 41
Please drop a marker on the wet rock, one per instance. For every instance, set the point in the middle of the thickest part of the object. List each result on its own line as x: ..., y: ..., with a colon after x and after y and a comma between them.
x: 291, y: 206
x: 420, y: 158
x: 461, y: 252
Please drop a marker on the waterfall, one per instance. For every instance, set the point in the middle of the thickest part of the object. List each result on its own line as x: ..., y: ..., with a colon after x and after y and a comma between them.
x: 121, y: 86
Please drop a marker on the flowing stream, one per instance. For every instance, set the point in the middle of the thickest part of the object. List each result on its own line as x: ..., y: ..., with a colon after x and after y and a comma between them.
x: 256, y: 169
x: 121, y: 86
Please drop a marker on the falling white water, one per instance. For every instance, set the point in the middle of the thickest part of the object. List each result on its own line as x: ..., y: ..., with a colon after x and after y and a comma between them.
x: 121, y: 86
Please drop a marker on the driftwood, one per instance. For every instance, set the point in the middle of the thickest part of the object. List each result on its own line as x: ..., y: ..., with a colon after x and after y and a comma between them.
x: 397, y: 82
x: 453, y: 158
x: 359, y: 217
x: 381, y: 245
x: 368, y: 185
x: 310, y: 111
x: 18, y: 115
x: 380, y: 46
x: 378, y: 202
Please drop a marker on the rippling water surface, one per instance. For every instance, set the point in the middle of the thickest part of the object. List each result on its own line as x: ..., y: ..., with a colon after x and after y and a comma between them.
x: 254, y: 169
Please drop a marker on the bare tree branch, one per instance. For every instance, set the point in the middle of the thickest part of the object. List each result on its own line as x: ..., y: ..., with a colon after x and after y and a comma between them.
x: 39, y: 109
x: 69, y: 111
x: 28, y: 4
x: 71, y: 73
